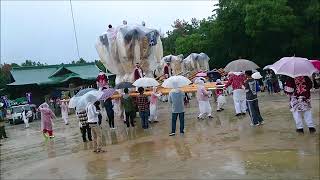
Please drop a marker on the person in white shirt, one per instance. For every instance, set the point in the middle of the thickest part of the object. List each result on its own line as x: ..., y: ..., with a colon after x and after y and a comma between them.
x: 93, y: 120
x: 25, y: 118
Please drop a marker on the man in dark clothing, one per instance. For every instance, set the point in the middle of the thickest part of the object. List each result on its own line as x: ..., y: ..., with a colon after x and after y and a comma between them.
x: 84, y: 126
x: 129, y: 107
x: 252, y: 100
x: 143, y: 106
x: 97, y: 105
x: 110, y: 113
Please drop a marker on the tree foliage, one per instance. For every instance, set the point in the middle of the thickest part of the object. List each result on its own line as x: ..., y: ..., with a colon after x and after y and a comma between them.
x: 31, y: 63
x: 260, y: 30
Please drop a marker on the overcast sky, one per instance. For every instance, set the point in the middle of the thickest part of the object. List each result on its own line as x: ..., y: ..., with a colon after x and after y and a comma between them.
x: 43, y: 31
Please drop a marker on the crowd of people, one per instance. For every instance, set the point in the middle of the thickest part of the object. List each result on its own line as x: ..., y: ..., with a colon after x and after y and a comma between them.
x: 245, y: 99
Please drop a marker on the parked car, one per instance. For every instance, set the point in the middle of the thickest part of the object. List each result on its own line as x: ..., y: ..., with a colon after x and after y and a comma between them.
x: 14, y: 113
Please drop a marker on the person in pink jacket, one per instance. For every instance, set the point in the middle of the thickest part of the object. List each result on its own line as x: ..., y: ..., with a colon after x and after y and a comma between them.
x: 46, y: 120
x: 203, y: 100
x: 154, y: 104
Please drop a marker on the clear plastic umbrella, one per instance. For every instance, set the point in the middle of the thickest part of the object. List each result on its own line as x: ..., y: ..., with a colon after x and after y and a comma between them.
x: 84, y: 91
x: 176, y: 82
x: 73, y: 102
x: 240, y: 65
x: 266, y: 67
x: 83, y: 101
x: 146, y: 82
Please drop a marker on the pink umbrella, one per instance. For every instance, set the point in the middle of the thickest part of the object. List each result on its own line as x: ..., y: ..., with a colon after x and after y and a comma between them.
x: 107, y: 93
x: 201, y: 74
x: 316, y: 64
x: 293, y: 67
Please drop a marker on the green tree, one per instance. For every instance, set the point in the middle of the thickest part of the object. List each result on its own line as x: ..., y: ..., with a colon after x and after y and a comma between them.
x: 80, y: 61
x: 4, y: 75
x: 259, y: 30
x: 32, y: 63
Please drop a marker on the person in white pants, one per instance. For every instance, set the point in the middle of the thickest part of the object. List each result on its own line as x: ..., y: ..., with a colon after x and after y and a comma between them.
x: 203, y: 100
x: 236, y: 80
x: 64, y: 111
x: 25, y: 118
x: 298, y: 90
x: 239, y: 99
x: 221, y: 100
x: 298, y: 117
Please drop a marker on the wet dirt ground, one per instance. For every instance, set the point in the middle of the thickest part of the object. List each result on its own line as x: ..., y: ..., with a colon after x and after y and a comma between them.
x: 225, y: 147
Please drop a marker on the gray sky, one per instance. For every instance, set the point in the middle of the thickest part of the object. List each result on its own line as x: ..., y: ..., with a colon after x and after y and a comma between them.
x: 43, y: 31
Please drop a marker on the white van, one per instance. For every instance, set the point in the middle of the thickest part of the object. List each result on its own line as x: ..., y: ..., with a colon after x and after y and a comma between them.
x: 14, y: 113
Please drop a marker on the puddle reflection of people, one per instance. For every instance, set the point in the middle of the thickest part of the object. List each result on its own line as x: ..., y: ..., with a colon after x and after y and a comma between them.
x: 218, y: 122
x: 132, y: 133
x: 97, y: 168
x: 114, y: 139
x: 51, y: 149
x: 182, y: 149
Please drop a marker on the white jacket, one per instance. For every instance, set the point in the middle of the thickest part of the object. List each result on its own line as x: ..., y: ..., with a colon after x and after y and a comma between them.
x: 92, y: 113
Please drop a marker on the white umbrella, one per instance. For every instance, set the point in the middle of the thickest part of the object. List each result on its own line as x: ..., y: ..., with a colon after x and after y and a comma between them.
x: 266, y: 67
x: 176, y: 82
x: 74, y: 100
x: 240, y: 65
x: 146, y: 82
x: 256, y: 75
x: 83, y: 101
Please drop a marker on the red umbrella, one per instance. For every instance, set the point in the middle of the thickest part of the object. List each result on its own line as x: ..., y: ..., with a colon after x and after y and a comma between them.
x: 316, y: 64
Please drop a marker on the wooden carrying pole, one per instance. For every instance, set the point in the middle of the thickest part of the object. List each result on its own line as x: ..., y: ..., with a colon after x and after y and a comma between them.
x: 187, y: 89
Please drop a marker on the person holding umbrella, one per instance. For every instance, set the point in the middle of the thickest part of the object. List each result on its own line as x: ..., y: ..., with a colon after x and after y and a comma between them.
x: 176, y: 97
x: 298, y: 90
x: 93, y: 121
x: 236, y: 80
x: 298, y: 86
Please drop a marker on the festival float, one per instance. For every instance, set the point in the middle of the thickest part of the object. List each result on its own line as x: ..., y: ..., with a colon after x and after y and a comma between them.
x: 127, y: 47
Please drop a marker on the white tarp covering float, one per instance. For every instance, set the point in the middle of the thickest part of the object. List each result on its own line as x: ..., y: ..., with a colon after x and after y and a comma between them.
x: 122, y: 47
x: 196, y: 62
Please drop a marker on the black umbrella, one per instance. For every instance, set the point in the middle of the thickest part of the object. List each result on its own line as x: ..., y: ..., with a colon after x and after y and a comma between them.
x: 213, y: 75
x: 123, y: 85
